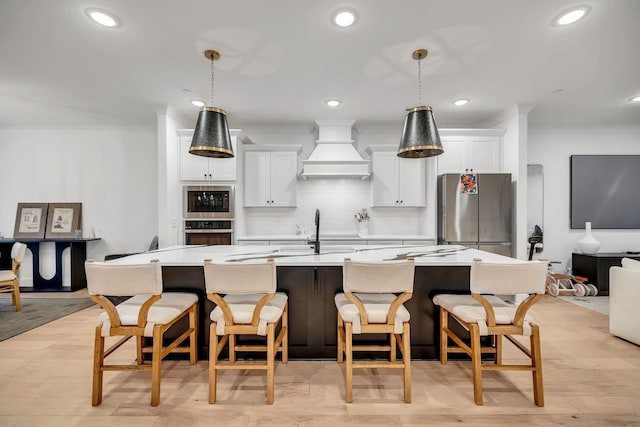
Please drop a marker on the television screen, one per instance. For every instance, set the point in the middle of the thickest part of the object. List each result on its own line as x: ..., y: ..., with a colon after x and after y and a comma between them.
x: 605, y: 190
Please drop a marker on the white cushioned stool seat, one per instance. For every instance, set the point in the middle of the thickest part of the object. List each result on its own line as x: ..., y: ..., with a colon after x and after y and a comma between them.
x: 7, y: 275
x: 376, y: 306
x: 242, y: 306
x: 471, y: 311
x: 163, y: 311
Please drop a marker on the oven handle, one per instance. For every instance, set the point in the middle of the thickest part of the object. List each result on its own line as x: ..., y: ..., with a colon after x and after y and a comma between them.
x: 209, y: 230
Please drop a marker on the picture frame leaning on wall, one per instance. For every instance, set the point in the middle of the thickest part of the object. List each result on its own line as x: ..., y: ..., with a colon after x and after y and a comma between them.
x: 63, y: 220
x: 31, y: 220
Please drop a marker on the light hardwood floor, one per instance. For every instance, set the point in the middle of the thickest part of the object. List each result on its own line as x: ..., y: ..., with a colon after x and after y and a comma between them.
x: 590, y: 379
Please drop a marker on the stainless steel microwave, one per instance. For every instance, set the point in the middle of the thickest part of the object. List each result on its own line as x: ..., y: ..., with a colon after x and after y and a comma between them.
x: 208, y: 201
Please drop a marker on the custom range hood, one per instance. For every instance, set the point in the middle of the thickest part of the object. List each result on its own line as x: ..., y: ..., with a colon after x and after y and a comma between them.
x: 334, y: 155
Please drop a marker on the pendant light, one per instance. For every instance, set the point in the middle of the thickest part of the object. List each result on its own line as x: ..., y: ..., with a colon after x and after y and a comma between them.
x: 211, y: 136
x: 420, y: 136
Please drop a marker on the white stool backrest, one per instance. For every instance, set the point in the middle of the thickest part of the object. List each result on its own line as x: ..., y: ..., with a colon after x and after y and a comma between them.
x: 123, y: 280
x: 250, y: 277
x: 508, y: 279
x: 377, y: 277
x: 18, y: 250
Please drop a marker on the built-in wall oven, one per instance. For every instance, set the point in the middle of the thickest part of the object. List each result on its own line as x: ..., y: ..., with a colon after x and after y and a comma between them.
x: 208, y: 214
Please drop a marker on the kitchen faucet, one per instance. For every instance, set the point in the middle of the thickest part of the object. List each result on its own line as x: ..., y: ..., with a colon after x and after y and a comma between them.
x: 316, y: 243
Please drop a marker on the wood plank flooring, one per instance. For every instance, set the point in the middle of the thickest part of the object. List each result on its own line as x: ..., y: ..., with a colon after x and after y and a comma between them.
x: 590, y: 379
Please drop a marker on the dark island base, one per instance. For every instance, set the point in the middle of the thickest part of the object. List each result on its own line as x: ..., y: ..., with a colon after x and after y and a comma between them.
x: 312, y: 311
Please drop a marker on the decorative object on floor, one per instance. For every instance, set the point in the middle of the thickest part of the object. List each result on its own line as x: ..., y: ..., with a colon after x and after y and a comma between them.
x: 373, y: 303
x: 588, y: 244
x: 64, y: 220
x: 211, y: 136
x: 148, y: 314
x: 420, y: 137
x: 485, y: 315
x: 31, y: 219
x: 9, y: 278
x: 36, y: 312
x: 250, y: 306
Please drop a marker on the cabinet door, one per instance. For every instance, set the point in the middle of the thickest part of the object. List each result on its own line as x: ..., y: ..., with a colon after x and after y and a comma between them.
x: 454, y: 158
x: 284, y: 166
x: 411, y: 182
x: 223, y: 169
x: 485, y: 154
x: 384, y: 185
x: 192, y: 167
x: 257, y: 170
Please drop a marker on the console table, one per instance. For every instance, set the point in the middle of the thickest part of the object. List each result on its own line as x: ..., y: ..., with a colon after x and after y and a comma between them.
x: 78, y: 252
x: 595, y: 267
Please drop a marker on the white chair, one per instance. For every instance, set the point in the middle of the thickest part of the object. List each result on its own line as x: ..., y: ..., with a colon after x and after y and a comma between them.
x: 148, y: 313
x: 488, y: 315
x: 369, y: 306
x: 624, y: 298
x: 250, y: 306
x: 9, y: 278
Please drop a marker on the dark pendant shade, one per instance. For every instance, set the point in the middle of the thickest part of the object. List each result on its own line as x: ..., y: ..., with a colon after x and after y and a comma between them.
x: 211, y: 136
x: 420, y: 136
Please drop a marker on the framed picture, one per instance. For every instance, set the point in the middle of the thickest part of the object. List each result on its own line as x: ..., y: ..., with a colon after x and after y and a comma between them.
x: 63, y: 220
x: 31, y: 219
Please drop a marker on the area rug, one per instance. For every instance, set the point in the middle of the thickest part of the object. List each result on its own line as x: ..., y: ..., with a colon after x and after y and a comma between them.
x: 36, y: 312
x: 597, y: 303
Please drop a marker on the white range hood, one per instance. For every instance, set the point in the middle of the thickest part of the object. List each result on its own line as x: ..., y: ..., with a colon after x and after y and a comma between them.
x: 335, y: 155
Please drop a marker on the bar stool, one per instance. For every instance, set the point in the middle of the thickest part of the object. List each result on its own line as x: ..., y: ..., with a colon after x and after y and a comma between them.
x: 488, y: 315
x: 369, y: 306
x: 9, y: 278
x: 251, y: 306
x: 148, y: 313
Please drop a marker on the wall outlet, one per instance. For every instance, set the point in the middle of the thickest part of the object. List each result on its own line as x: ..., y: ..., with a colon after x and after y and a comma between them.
x: 173, y: 222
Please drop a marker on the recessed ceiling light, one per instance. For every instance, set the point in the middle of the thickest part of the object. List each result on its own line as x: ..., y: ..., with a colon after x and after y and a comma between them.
x: 635, y: 99
x: 197, y: 102
x: 461, y: 101
x: 333, y: 103
x: 572, y: 15
x: 344, y: 18
x: 103, y: 18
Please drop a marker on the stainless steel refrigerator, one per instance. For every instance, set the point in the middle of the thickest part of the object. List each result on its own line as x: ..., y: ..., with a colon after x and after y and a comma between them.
x: 481, y: 220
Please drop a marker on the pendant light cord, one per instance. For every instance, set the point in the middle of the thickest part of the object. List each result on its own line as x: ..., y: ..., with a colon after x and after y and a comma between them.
x: 419, y: 85
x: 211, y: 105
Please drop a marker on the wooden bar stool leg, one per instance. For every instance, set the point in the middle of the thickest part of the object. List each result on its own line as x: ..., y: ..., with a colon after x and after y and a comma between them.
x: 193, y: 337
x: 156, y: 365
x: 349, y: 355
x: 476, y: 360
x: 15, y: 295
x: 139, y: 348
x: 285, y: 338
x: 98, y: 363
x: 270, y: 362
x: 340, y: 339
x: 393, y: 344
x: 213, y: 359
x: 232, y: 348
x: 536, y: 362
x: 406, y: 360
x: 498, y: 345
x: 444, y: 339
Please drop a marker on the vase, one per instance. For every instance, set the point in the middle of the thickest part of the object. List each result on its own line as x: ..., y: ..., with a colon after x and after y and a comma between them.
x: 588, y: 244
x: 363, y: 228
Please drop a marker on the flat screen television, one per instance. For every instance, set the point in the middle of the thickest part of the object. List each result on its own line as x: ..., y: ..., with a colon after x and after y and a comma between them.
x: 605, y: 190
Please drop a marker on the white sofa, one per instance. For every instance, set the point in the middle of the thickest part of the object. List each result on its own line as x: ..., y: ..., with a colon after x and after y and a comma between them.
x: 624, y: 300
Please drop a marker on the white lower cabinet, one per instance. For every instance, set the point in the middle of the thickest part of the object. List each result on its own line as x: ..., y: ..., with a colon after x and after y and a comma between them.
x: 396, y: 181
x: 270, y: 177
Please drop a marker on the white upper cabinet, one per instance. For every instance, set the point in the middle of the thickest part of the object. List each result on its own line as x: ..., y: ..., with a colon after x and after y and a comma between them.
x: 270, y: 174
x: 482, y: 153
x: 396, y: 181
x: 199, y: 168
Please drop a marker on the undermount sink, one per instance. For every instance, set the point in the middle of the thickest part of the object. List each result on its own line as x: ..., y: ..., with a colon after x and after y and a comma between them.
x: 308, y: 249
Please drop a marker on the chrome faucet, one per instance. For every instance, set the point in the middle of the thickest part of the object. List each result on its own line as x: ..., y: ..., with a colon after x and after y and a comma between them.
x: 316, y: 242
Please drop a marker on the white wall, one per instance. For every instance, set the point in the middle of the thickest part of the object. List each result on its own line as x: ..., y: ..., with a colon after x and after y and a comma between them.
x: 552, y: 148
x: 338, y: 199
x: 111, y: 170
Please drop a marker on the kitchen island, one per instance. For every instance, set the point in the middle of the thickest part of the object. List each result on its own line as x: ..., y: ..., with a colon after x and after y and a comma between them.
x: 311, y: 281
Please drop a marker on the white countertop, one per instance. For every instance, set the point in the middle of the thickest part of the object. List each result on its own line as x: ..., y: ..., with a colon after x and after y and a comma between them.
x: 441, y: 255
x: 332, y: 237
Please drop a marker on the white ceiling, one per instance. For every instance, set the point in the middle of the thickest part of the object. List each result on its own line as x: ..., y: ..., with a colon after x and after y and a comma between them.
x: 282, y: 58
